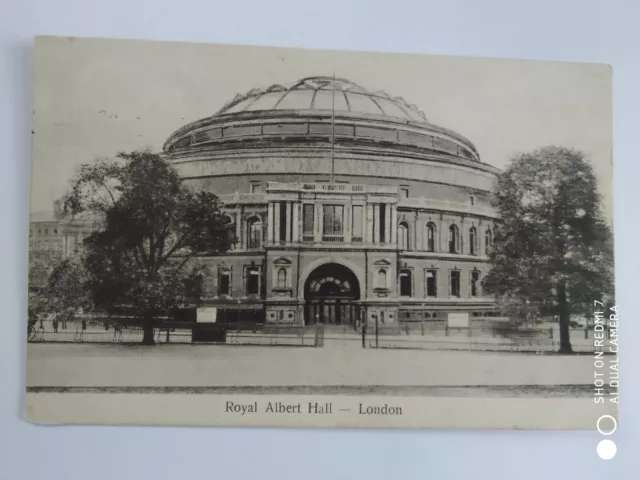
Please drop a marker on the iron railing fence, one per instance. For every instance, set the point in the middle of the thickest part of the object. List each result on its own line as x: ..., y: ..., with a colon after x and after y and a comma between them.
x: 434, y: 335
x: 488, y: 337
x: 240, y: 333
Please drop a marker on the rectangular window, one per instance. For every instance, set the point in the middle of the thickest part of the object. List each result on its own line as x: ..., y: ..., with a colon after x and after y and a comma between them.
x: 405, y: 283
x: 455, y: 283
x: 356, y: 224
x: 475, y: 278
x: 432, y: 285
x: 332, y: 220
x: 224, y: 282
x: 383, y: 222
x: 252, y: 278
x: 308, y: 214
x: 255, y: 187
x: 404, y: 192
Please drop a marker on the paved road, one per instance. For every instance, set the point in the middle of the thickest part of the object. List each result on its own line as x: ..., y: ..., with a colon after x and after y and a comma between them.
x: 94, y: 365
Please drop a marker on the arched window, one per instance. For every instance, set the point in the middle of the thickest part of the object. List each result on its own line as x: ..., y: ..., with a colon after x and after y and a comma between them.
x: 454, y: 239
x: 403, y: 236
x: 473, y: 241
x: 488, y: 239
x: 282, y: 278
x: 254, y: 233
x: 405, y: 283
x: 431, y: 237
x: 381, y: 279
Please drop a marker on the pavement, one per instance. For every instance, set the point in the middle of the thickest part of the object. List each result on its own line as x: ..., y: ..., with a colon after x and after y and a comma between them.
x: 182, y: 366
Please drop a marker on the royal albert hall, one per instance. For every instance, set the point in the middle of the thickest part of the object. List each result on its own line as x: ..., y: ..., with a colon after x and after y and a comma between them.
x: 347, y: 204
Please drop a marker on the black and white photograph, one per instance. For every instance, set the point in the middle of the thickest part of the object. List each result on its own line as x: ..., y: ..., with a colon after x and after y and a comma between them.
x: 255, y: 236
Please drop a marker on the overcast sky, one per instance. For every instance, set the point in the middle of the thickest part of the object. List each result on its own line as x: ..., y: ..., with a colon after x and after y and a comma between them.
x: 94, y: 98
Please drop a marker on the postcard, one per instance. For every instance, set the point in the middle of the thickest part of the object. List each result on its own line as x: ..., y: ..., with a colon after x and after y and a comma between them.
x: 252, y: 236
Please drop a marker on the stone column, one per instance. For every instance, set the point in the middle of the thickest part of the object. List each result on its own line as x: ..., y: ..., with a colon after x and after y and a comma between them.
x: 368, y: 223
x: 364, y: 223
x: 270, y: 223
x: 387, y: 223
x: 317, y: 224
x: 394, y: 224
x: 287, y: 236
x: 376, y: 223
x: 416, y: 233
x: 295, y: 236
x: 240, y: 242
x: 276, y: 223
x: 347, y: 223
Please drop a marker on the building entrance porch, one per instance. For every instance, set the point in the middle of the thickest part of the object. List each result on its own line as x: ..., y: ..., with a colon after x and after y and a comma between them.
x: 331, y: 296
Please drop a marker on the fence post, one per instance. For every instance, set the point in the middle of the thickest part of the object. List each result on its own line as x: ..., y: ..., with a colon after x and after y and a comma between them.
x: 319, y: 340
x: 364, y: 334
x: 586, y: 329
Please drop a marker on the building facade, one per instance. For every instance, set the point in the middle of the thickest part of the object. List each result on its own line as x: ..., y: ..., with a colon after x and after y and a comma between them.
x: 347, y: 204
x: 52, y: 240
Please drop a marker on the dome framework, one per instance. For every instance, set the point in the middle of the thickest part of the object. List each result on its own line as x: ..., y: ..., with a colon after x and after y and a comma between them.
x: 323, y: 93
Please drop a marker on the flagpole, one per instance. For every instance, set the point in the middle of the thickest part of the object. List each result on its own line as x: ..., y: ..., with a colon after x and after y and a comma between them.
x: 333, y: 126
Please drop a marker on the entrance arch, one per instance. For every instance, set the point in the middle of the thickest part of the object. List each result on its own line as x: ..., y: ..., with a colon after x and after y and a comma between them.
x: 330, y: 293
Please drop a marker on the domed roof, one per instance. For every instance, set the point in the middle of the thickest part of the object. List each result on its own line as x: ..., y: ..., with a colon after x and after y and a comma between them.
x: 323, y: 93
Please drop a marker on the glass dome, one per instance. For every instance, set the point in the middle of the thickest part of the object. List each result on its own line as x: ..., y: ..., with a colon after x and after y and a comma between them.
x: 323, y: 93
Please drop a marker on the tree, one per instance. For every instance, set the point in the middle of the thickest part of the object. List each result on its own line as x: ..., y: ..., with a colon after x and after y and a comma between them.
x: 41, y: 262
x: 66, y: 289
x: 152, y: 225
x: 553, y: 247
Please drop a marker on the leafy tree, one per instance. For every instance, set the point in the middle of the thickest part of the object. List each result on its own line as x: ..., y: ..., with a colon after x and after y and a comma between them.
x: 142, y: 255
x: 66, y: 289
x: 553, y: 248
x: 41, y: 262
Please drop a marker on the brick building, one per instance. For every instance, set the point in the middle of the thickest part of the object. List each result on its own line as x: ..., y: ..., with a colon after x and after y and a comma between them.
x: 346, y: 203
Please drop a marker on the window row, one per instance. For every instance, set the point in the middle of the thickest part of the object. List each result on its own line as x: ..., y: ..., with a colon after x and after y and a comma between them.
x: 253, y: 280
x: 54, y: 231
x: 333, y: 230
x: 254, y: 232
x: 333, y: 222
x: 406, y: 284
x: 453, y: 239
x: 252, y: 276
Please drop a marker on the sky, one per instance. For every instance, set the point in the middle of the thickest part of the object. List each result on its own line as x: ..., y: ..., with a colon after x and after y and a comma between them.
x: 94, y: 98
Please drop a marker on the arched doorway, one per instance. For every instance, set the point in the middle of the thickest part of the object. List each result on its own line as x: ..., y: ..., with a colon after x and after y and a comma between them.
x: 331, y: 292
